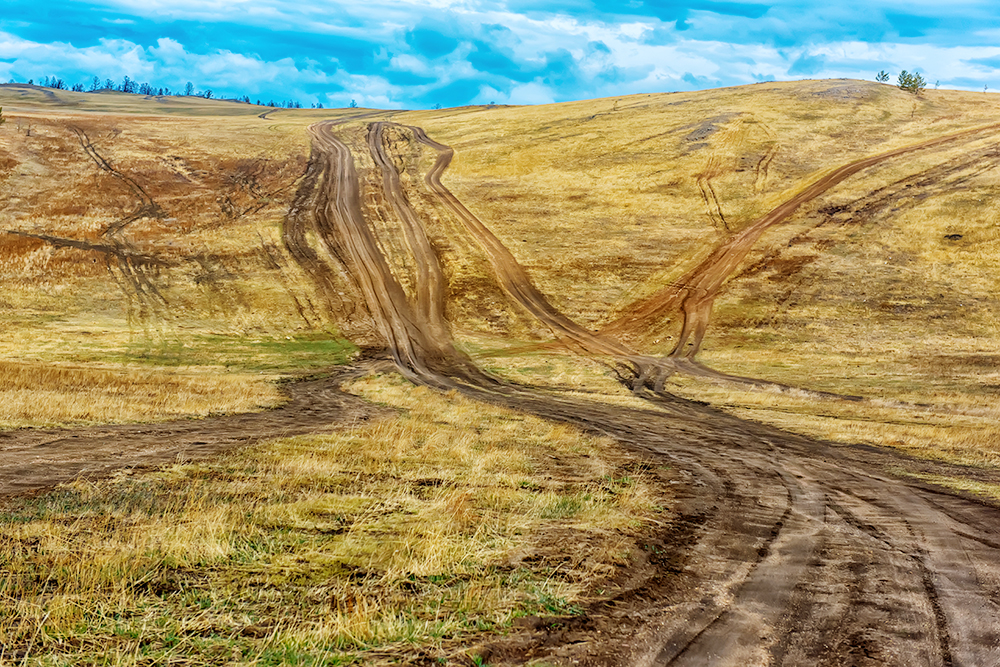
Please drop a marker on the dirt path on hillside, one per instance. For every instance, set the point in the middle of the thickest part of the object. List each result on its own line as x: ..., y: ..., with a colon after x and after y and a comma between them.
x: 641, y: 369
x: 694, y: 294
x: 786, y: 551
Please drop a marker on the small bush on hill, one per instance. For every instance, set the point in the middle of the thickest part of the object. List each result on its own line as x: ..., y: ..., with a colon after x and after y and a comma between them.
x: 911, y: 83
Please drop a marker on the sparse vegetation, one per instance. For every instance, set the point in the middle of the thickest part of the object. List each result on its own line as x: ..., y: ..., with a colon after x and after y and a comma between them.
x: 882, y: 76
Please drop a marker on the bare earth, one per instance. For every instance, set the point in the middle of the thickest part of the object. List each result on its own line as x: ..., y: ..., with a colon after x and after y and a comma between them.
x: 787, y: 551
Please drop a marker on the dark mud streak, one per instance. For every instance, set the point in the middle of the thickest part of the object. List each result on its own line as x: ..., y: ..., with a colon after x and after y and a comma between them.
x: 122, y: 253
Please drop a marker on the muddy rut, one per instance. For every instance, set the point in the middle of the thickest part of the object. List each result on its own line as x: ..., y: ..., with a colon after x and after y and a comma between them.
x: 784, y: 550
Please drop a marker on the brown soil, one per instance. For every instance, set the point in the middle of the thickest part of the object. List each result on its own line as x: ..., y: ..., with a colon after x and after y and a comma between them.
x: 785, y: 550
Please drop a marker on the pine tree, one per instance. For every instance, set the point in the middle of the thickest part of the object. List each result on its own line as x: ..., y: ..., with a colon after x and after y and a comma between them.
x: 911, y: 83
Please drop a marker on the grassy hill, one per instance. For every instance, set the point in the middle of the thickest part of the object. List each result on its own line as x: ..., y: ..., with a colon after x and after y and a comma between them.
x: 146, y: 274
x: 884, y: 287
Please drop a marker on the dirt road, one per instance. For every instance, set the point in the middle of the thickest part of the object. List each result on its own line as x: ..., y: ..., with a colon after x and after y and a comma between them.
x: 785, y: 551
x: 36, y: 459
x: 800, y: 555
x: 694, y: 294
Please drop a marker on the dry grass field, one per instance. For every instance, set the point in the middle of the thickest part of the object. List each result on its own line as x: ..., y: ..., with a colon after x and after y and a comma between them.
x: 145, y: 247
x: 146, y: 275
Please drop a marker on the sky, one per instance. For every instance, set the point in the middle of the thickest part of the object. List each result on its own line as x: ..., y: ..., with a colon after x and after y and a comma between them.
x: 425, y: 53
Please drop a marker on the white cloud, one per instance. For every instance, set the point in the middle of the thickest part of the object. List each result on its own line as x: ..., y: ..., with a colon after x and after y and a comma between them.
x: 167, y: 63
x: 377, y: 67
x: 534, y: 92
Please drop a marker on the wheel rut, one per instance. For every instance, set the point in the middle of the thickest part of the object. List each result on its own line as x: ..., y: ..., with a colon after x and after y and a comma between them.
x: 764, y: 534
x: 694, y: 294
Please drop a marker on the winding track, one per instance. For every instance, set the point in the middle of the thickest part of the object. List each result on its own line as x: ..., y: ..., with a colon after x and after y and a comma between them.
x: 800, y: 553
x: 35, y: 459
x: 802, y: 556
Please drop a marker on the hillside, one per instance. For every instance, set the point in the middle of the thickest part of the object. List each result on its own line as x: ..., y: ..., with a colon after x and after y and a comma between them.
x: 679, y: 372
x: 881, y: 287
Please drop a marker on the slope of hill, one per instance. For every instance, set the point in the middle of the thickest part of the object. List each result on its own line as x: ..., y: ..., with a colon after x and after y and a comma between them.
x: 816, y: 256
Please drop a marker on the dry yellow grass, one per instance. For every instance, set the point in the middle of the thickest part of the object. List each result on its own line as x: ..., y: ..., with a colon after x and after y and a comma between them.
x: 434, y: 525
x: 407, y: 533
x: 883, y: 288
x: 34, y: 394
x: 220, y: 295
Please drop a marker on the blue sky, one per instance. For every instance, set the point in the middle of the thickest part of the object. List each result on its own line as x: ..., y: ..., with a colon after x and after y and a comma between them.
x: 417, y: 54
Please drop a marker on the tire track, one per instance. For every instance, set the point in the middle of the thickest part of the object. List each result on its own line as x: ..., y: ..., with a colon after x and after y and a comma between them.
x: 515, y: 280
x: 694, y: 294
x: 779, y: 525
x: 32, y: 460
x: 419, y: 355
x: 430, y: 281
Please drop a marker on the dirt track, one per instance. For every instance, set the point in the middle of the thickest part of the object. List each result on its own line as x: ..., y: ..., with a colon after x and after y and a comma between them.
x: 695, y: 293
x: 785, y: 550
x: 35, y: 459
x: 799, y: 555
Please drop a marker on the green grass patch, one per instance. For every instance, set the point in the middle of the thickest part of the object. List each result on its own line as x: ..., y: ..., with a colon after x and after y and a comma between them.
x: 269, y: 354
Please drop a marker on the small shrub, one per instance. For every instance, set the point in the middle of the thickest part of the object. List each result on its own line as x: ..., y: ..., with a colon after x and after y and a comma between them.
x: 911, y: 83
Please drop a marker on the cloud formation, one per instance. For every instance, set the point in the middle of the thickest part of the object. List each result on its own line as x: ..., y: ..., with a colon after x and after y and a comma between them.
x: 412, y: 54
